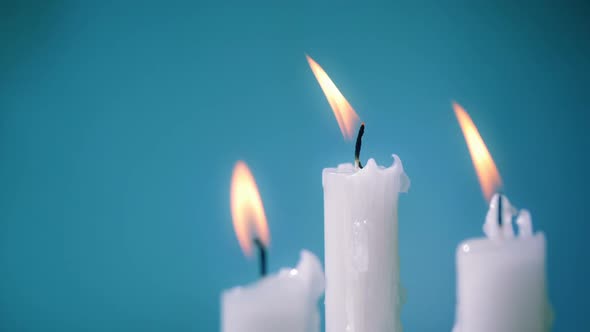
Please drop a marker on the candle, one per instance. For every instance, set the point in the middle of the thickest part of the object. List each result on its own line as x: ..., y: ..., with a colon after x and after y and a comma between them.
x: 501, y: 283
x: 363, y: 291
x: 285, y: 301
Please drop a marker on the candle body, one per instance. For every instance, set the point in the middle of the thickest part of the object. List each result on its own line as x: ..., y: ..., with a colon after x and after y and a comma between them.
x: 501, y: 285
x: 363, y: 291
x: 286, y: 301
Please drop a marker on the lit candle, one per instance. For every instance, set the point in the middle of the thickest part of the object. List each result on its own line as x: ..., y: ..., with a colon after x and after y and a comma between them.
x: 501, y: 283
x: 286, y: 301
x: 363, y: 291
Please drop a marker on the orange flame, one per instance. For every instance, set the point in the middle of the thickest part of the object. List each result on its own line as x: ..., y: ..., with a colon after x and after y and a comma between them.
x: 345, y: 114
x: 488, y: 175
x: 246, y: 208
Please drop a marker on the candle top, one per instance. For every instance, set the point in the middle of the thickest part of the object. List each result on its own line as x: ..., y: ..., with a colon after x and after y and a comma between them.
x: 307, y: 276
x: 487, y: 246
x: 502, y: 211
x: 370, y: 169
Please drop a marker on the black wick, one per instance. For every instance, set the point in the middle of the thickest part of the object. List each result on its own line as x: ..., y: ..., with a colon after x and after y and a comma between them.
x: 500, y: 212
x: 261, y: 255
x: 357, y: 148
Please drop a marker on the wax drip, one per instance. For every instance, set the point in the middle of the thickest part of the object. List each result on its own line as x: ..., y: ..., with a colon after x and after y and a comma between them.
x: 261, y: 255
x: 357, y: 148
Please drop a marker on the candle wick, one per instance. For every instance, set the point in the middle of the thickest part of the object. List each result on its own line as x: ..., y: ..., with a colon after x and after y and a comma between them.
x: 500, y: 212
x: 261, y: 256
x: 357, y: 148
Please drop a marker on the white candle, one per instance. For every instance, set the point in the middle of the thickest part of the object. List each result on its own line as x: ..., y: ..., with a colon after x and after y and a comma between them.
x: 501, y: 284
x: 363, y: 291
x: 286, y: 301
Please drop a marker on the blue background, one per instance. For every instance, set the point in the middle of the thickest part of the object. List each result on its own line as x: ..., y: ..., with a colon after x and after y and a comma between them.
x: 120, y: 125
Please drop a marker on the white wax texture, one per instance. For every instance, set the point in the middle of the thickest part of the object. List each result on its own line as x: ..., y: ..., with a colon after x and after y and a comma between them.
x: 363, y: 291
x: 286, y: 301
x: 501, y: 285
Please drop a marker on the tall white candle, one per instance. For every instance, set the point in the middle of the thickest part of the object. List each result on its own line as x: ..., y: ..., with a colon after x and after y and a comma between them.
x: 363, y: 291
x: 501, y: 284
x: 286, y: 301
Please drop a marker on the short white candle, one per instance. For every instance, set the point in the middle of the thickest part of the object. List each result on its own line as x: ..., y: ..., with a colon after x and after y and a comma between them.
x: 501, y: 284
x: 363, y: 291
x: 286, y: 301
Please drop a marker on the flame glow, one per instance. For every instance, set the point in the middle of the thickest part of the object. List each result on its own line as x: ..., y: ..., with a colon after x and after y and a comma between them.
x: 488, y: 174
x: 246, y: 208
x: 345, y: 114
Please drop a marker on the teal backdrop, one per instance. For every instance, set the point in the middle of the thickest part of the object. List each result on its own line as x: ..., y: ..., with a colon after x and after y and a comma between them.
x: 120, y: 123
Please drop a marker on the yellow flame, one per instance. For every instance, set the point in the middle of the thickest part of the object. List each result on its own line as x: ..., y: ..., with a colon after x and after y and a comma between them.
x: 345, y: 114
x: 486, y: 169
x: 246, y: 208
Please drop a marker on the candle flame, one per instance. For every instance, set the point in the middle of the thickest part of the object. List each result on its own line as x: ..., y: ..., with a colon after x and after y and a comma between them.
x: 345, y: 114
x: 486, y: 169
x: 246, y: 208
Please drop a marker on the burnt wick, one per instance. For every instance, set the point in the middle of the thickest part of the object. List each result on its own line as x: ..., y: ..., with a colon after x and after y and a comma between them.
x: 357, y: 148
x: 262, y: 256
